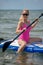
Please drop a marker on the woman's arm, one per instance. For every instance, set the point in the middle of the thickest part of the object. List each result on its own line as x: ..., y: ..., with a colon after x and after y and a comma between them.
x: 34, y: 24
x: 18, y: 27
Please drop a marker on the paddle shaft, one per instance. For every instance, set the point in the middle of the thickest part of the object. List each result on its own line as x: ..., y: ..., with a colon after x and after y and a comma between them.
x: 27, y: 28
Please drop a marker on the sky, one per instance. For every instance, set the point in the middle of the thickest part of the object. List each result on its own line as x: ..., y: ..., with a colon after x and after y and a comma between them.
x: 22, y: 4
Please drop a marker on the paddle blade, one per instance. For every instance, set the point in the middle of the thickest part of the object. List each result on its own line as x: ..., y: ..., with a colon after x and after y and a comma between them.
x: 5, y: 45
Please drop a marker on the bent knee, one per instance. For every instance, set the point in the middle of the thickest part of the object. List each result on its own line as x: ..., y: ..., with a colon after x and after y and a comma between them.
x: 21, y: 42
x: 24, y: 44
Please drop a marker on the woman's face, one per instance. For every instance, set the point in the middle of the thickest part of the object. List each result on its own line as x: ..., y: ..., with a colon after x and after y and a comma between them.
x: 25, y: 15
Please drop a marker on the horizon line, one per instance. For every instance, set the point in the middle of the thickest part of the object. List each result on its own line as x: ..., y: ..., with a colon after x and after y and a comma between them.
x: 20, y: 9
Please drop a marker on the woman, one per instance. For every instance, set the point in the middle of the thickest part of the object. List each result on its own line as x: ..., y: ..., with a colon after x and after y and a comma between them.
x: 24, y: 38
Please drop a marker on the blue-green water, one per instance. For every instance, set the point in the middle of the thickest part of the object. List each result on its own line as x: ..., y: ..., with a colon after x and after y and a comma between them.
x: 8, y: 23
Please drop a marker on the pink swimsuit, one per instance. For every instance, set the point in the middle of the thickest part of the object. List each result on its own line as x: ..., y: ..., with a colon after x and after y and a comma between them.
x: 25, y: 35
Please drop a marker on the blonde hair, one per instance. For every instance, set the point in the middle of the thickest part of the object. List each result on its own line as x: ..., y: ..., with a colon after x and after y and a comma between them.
x: 21, y: 18
x: 27, y: 11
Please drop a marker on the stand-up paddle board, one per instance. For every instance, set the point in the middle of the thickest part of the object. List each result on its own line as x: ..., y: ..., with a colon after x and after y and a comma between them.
x: 33, y: 47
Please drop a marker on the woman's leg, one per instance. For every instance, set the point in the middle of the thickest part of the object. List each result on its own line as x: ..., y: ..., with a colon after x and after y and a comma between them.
x: 22, y: 45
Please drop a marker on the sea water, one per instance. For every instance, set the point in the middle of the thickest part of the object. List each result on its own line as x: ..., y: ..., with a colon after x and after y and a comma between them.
x: 8, y: 23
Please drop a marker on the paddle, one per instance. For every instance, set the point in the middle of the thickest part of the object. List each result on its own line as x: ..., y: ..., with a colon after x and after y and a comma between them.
x: 7, y: 43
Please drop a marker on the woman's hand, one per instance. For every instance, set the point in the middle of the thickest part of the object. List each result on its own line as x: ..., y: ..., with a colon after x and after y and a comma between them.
x: 34, y: 24
x: 37, y: 20
x: 24, y: 29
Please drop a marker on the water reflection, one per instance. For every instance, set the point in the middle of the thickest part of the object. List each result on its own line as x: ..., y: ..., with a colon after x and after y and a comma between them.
x: 25, y: 59
x: 10, y: 58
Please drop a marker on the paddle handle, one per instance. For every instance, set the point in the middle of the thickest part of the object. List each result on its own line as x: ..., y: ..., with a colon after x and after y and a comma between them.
x: 27, y: 27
